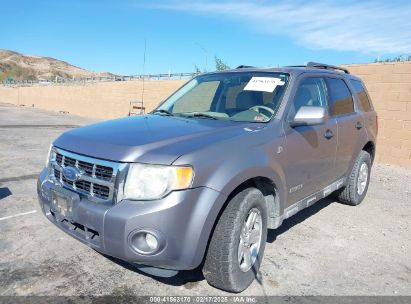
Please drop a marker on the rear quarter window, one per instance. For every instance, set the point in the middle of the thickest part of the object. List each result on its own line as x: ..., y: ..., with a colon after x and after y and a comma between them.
x: 362, y: 95
x: 341, y: 101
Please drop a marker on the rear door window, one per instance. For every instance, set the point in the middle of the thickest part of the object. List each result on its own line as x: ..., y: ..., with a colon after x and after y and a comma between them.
x: 341, y: 101
x: 362, y: 95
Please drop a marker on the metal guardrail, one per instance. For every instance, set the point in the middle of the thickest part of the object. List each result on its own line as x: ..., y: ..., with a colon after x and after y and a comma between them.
x: 84, y: 80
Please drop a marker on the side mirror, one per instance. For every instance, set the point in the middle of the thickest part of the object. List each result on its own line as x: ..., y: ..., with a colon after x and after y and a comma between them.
x: 309, y: 116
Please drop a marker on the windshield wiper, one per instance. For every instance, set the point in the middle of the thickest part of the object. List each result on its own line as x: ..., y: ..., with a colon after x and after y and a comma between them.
x: 162, y: 112
x: 201, y: 115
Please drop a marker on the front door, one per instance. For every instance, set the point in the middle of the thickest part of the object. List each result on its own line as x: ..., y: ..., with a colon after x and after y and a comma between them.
x: 310, y: 150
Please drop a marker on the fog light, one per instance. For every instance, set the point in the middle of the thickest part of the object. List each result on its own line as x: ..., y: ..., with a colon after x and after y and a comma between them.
x: 146, y: 242
x: 151, y: 241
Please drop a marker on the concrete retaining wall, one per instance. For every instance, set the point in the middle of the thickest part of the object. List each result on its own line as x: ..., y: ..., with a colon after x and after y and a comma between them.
x: 101, y: 99
x: 389, y: 85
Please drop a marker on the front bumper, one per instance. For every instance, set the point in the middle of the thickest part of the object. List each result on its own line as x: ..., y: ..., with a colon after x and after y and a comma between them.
x: 183, y: 221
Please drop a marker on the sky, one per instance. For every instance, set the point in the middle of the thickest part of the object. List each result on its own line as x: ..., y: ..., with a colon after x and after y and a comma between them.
x: 102, y: 35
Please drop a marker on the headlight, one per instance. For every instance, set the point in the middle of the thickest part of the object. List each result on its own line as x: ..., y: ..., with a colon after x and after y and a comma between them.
x: 51, y: 156
x: 149, y: 182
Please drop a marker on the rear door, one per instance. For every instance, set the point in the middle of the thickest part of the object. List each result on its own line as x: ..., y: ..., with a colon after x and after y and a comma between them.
x: 368, y: 112
x: 310, y: 150
x: 351, y: 131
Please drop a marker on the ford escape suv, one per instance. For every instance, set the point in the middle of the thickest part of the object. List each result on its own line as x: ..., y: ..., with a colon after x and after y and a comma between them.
x: 199, y: 180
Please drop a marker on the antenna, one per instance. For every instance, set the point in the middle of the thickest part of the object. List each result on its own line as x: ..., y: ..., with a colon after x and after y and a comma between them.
x: 206, y: 55
x: 144, y: 66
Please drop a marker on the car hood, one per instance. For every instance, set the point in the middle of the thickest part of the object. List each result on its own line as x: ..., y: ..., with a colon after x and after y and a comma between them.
x: 150, y: 138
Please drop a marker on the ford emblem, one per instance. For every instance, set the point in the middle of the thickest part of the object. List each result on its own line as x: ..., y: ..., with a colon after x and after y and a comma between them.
x: 71, y: 174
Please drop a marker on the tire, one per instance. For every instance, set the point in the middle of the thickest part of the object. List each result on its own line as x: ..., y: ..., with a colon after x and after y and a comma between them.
x: 222, y: 268
x: 355, y: 191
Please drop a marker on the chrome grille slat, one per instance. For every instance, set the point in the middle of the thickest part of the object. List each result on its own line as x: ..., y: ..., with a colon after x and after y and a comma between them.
x: 68, y: 161
x: 97, y: 177
x: 86, y: 167
x: 59, y: 159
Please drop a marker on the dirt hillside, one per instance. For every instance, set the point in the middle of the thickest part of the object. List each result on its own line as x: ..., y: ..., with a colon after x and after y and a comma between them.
x: 17, y: 66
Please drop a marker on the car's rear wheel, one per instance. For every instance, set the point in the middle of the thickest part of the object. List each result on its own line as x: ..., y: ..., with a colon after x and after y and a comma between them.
x: 358, y: 181
x: 237, y: 244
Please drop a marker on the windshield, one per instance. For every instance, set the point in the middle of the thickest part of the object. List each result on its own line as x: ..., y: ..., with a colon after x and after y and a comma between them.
x: 244, y: 96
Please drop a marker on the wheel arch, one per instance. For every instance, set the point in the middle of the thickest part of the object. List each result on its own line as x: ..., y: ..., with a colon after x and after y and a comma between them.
x: 370, y: 148
x: 270, y: 191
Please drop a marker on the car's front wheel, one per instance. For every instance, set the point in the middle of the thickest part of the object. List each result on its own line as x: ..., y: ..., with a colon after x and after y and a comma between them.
x: 237, y: 245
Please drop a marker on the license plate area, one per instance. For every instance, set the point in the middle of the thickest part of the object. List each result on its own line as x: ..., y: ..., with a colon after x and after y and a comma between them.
x: 62, y: 203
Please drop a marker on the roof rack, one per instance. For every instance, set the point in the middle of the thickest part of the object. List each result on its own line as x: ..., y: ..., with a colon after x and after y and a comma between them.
x: 320, y: 66
x: 244, y: 67
x: 326, y: 66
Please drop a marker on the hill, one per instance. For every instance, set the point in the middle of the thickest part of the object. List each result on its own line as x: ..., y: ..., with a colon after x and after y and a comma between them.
x: 26, y: 67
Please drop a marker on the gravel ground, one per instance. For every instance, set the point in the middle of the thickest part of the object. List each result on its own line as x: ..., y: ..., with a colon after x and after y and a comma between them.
x: 328, y: 249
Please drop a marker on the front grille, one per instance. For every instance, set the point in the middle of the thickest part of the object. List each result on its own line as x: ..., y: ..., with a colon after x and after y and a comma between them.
x: 86, y: 186
x: 96, y: 178
x: 93, y: 170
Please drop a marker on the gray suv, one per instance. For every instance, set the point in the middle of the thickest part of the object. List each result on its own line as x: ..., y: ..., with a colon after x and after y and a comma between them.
x: 198, y: 181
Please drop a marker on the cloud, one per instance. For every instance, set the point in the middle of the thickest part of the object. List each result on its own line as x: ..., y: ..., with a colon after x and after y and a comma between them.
x: 366, y: 27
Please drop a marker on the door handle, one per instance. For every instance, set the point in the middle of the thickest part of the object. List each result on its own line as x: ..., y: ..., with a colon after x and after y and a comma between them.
x: 358, y: 125
x: 328, y: 134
